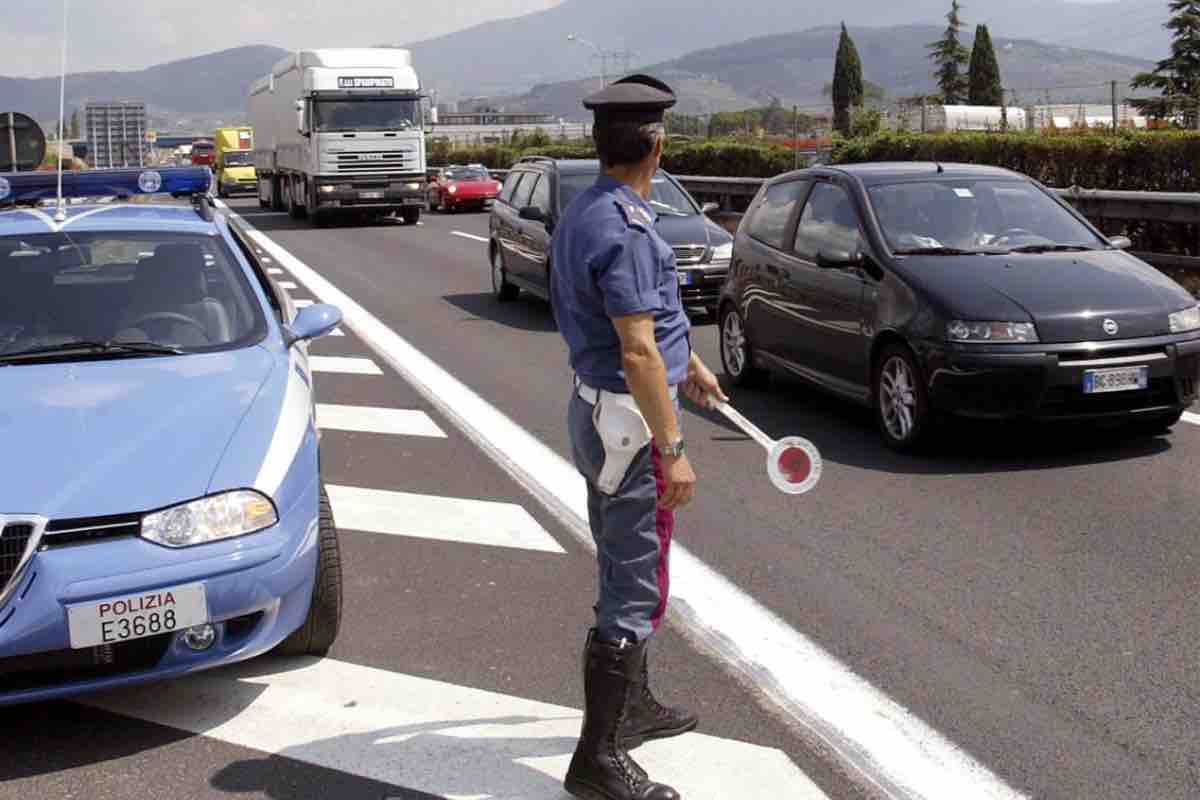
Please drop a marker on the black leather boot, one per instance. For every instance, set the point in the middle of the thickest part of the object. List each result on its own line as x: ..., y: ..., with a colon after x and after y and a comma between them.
x: 649, y: 719
x: 600, y: 768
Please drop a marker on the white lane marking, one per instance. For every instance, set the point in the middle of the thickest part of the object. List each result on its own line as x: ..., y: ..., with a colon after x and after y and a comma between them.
x: 302, y: 303
x: 337, y: 332
x: 1188, y: 416
x: 273, y: 270
x: 431, y: 736
x: 872, y: 734
x: 365, y: 419
x: 343, y: 365
x: 287, y: 285
x: 295, y: 415
x: 470, y: 236
x: 445, y: 519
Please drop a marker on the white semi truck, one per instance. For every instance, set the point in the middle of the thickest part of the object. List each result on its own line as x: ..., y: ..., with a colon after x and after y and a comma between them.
x: 341, y: 130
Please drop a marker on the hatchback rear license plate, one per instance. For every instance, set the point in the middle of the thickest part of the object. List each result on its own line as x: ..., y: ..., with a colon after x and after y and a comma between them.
x: 370, y: 195
x: 1120, y: 379
x: 120, y: 619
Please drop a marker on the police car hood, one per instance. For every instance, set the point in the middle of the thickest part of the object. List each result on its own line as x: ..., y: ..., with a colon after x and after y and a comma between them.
x: 120, y: 436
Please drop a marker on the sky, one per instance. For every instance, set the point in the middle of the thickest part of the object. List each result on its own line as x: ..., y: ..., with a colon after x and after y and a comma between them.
x: 133, y: 34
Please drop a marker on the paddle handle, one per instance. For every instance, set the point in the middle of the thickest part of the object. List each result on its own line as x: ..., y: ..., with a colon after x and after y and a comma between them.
x: 750, y: 429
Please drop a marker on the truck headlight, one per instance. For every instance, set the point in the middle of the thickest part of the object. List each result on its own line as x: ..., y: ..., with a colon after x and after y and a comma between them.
x: 210, y: 519
x: 1184, y: 321
x: 999, y: 332
x: 722, y: 252
x: 413, y: 187
x: 328, y: 188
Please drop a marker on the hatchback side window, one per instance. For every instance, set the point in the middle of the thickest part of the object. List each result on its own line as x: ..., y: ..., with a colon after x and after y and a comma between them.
x: 829, y: 223
x: 775, y: 213
x: 541, y: 195
x: 510, y: 185
x: 521, y: 196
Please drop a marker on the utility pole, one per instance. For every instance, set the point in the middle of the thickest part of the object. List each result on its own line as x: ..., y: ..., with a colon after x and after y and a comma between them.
x: 1116, y: 119
x: 796, y: 136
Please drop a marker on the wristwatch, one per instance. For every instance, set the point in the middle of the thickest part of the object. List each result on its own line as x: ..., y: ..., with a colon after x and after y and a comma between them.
x: 673, y: 450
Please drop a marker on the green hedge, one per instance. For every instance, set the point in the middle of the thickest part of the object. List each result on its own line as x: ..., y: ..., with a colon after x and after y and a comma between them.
x: 700, y: 158
x: 1167, y: 161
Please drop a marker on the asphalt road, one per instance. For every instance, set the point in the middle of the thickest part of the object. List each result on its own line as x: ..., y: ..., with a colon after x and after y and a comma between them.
x: 1029, y: 593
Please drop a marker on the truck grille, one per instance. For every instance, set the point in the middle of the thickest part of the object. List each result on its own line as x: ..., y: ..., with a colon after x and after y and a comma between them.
x: 14, y: 540
x: 374, y: 161
x: 689, y: 254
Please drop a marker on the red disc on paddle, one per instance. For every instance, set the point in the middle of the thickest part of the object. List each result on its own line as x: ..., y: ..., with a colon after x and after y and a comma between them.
x: 794, y: 465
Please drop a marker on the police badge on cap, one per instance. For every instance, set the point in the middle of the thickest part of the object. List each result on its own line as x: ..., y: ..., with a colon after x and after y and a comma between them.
x: 637, y: 98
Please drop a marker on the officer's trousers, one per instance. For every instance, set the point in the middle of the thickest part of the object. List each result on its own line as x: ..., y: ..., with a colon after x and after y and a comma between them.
x: 633, y: 535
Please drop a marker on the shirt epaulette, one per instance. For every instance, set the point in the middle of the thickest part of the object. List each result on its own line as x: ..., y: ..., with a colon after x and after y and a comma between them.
x: 636, y: 216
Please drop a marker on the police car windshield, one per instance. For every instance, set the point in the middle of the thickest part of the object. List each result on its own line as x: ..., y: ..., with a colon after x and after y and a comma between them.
x: 366, y: 114
x: 174, y: 291
x: 665, y: 197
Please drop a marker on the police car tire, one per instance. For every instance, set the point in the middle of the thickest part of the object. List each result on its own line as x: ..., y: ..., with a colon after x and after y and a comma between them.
x: 751, y: 377
x: 320, y: 628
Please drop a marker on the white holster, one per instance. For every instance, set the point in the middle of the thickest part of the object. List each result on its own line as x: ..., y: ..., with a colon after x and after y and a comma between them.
x: 623, y: 431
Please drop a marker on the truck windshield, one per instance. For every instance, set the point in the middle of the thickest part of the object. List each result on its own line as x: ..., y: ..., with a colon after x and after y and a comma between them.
x: 239, y: 158
x: 366, y: 114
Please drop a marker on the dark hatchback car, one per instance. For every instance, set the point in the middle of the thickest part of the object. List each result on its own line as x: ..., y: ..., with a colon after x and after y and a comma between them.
x: 920, y: 289
x: 536, y: 192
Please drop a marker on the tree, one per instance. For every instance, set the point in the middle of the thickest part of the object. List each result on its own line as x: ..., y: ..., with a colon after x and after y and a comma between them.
x: 847, y: 82
x: 1177, y: 77
x: 985, y: 86
x: 951, y: 59
x: 872, y: 92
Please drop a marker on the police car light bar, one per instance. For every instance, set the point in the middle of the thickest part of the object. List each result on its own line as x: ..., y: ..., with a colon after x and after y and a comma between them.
x: 28, y: 188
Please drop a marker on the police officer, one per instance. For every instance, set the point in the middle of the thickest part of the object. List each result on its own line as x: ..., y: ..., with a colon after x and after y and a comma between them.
x: 616, y: 297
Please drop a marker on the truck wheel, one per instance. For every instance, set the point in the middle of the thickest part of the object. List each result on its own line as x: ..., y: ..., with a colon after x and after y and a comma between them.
x: 320, y: 628
x: 295, y: 210
x: 276, y: 201
x: 411, y: 214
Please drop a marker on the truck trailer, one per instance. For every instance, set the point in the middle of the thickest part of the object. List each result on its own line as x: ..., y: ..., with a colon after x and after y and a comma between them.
x: 340, y: 130
x: 235, y: 161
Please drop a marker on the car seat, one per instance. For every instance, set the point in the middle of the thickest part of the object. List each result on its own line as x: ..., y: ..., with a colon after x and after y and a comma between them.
x: 173, y: 281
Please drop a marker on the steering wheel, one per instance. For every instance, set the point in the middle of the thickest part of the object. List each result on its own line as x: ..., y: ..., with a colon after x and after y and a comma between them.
x: 171, y: 316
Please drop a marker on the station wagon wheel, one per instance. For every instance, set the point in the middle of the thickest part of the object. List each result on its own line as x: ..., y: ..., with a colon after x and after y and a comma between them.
x: 736, y: 354
x: 901, y: 404
x: 504, y: 291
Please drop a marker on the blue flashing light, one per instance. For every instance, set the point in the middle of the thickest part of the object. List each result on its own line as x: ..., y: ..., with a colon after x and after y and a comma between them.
x: 26, y: 188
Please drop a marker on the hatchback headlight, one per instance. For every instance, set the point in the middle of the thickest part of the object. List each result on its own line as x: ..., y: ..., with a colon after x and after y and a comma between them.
x: 723, y: 252
x: 1184, y: 321
x: 210, y: 519
x: 999, y: 332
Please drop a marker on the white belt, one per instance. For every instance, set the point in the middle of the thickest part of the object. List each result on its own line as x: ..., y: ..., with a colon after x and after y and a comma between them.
x: 591, y: 395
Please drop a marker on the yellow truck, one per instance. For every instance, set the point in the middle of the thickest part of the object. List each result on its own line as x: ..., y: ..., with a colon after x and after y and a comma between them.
x: 234, y: 165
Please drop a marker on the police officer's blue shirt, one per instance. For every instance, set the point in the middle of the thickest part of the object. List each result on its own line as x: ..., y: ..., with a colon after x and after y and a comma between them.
x: 609, y: 261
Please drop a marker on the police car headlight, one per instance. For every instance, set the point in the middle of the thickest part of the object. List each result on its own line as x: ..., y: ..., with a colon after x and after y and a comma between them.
x: 210, y: 519
x: 723, y: 252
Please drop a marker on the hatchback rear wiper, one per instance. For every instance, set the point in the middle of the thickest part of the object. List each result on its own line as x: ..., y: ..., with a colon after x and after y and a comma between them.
x: 68, y: 348
x: 1052, y: 248
x: 945, y: 251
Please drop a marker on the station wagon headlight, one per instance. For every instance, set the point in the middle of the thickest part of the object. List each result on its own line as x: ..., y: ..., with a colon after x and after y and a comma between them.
x: 722, y: 252
x: 998, y: 332
x: 210, y: 519
x: 1184, y: 321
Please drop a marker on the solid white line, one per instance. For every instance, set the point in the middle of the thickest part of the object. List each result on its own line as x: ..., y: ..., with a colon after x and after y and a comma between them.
x: 337, y: 332
x: 1188, y: 416
x: 343, y: 365
x: 287, y: 285
x: 274, y: 271
x: 470, y: 236
x: 887, y: 745
x: 430, y: 736
x: 365, y: 419
x: 444, y: 519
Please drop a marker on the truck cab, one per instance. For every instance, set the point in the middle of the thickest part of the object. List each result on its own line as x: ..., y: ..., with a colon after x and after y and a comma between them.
x: 235, y: 161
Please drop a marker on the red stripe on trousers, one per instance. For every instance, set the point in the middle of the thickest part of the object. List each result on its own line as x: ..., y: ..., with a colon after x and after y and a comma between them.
x: 664, y: 526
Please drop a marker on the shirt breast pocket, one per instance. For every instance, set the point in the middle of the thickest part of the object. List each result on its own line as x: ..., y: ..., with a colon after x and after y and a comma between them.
x: 668, y: 277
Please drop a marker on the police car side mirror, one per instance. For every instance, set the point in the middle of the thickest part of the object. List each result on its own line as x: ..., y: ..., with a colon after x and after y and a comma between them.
x: 312, y: 322
x: 1121, y: 242
x: 709, y: 208
x: 532, y: 214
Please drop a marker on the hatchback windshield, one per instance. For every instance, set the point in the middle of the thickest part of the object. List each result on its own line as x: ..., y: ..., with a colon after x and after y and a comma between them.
x: 365, y: 114
x: 976, y: 216
x: 95, y: 295
x: 665, y: 197
x: 468, y: 174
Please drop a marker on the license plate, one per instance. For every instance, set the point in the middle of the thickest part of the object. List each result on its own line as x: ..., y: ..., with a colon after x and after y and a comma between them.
x: 370, y: 195
x: 413, y: 201
x: 686, y: 278
x: 1119, y: 379
x: 137, y: 616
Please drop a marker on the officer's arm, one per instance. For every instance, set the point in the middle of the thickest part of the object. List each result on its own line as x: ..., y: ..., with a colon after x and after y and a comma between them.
x: 646, y: 374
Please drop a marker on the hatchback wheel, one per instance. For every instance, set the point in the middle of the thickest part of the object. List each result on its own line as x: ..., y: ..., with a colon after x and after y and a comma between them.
x: 504, y: 291
x: 901, y: 404
x: 736, y: 354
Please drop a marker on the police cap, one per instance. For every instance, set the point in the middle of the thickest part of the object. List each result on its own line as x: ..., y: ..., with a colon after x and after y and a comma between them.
x: 636, y: 98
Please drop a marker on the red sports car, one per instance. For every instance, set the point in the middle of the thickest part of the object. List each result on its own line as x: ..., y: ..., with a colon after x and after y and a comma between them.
x: 454, y: 188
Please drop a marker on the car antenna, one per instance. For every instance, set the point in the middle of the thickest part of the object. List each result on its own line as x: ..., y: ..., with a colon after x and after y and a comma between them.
x: 60, y: 215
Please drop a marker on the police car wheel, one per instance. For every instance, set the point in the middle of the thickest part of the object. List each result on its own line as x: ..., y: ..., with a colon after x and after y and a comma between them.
x: 320, y: 628
x: 505, y: 292
x: 737, y: 356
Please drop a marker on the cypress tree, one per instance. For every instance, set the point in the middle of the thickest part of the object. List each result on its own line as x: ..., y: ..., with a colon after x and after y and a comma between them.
x: 847, y: 82
x: 986, y: 89
x: 1177, y: 77
x: 951, y: 59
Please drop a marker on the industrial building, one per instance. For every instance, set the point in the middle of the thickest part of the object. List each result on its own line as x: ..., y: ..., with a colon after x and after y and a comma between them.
x: 115, y: 132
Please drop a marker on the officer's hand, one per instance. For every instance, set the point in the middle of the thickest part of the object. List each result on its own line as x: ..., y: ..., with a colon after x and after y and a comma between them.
x: 701, y: 386
x: 681, y: 482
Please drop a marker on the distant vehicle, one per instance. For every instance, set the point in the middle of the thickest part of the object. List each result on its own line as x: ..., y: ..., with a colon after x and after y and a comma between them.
x: 919, y: 289
x: 939, y: 118
x: 204, y: 153
x: 193, y: 531
x: 455, y: 188
x: 234, y: 166
x: 341, y: 130
x: 538, y: 190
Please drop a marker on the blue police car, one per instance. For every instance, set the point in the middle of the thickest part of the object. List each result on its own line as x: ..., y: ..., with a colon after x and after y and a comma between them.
x: 161, y: 508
